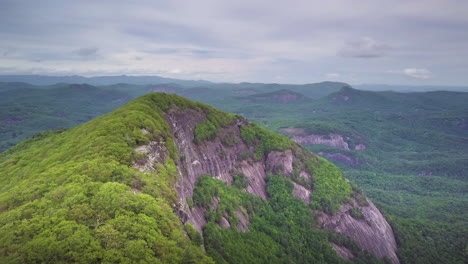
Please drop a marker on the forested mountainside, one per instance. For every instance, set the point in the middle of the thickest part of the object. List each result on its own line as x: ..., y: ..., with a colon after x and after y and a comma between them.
x: 405, y: 150
x: 165, y: 179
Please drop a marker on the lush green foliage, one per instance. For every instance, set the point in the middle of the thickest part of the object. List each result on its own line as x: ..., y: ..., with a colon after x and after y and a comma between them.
x: 356, y: 213
x: 264, y: 140
x: 78, y: 185
x: 414, y: 167
x: 415, y: 162
x: 196, y: 238
x: 73, y: 196
x: 210, y: 128
x: 422, y: 241
x: 240, y: 181
x: 205, y: 131
x: 281, y: 229
x: 207, y: 188
x: 322, y: 128
x: 230, y: 139
x: 330, y: 187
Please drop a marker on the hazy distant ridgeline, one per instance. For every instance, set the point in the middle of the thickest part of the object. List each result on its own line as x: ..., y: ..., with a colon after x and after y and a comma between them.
x: 149, y: 80
x: 99, y: 80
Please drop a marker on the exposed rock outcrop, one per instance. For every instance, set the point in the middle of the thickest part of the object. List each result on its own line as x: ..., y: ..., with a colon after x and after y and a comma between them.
x: 360, y: 146
x: 280, y: 162
x: 343, y: 252
x: 336, y: 140
x: 221, y: 161
x: 255, y: 173
x: 224, y: 223
x: 197, y: 216
x: 372, y: 232
x: 305, y: 175
x: 301, y: 192
x: 243, y: 224
x: 209, y: 157
x: 156, y: 152
x: 332, y: 140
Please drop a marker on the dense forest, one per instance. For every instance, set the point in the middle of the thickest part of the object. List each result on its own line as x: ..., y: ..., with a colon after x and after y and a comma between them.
x: 67, y: 196
x: 413, y: 165
x: 74, y: 196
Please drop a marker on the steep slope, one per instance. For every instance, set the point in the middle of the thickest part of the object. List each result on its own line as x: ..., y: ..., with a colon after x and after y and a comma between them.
x: 131, y: 186
x: 406, y: 151
x: 267, y: 153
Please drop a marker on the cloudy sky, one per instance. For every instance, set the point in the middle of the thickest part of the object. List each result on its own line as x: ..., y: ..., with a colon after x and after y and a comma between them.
x: 364, y: 41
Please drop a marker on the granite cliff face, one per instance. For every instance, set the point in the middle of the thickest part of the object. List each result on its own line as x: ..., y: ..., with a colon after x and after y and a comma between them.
x: 335, y: 140
x: 371, y: 230
x: 222, y: 161
x: 332, y: 140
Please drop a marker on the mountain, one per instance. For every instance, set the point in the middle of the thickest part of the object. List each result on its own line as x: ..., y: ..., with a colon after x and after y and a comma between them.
x: 26, y: 110
x: 410, y: 88
x: 98, y: 80
x: 165, y: 179
x: 405, y: 150
x: 14, y: 85
x: 312, y: 90
x: 390, y: 101
x: 281, y: 96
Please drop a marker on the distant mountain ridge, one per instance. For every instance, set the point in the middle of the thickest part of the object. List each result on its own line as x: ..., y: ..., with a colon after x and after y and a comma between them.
x: 147, y: 80
x: 280, y: 96
x: 98, y: 80
x: 410, y: 88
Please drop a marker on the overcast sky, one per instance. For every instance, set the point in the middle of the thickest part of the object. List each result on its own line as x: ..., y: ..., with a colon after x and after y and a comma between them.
x: 362, y: 41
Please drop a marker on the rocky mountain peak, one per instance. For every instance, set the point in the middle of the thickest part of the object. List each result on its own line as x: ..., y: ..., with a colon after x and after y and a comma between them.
x: 229, y: 153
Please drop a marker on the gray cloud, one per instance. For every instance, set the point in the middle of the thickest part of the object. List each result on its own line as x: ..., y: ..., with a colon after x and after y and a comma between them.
x: 87, y: 52
x: 332, y: 76
x: 364, y: 47
x: 240, y: 40
x: 418, y: 73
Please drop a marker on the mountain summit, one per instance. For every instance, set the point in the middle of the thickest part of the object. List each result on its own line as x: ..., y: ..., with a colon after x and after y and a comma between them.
x: 167, y: 180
